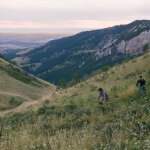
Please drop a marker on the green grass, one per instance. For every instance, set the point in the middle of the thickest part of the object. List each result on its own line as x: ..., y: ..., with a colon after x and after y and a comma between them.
x: 18, y: 74
x: 73, y: 120
x: 15, y: 82
x: 14, y: 72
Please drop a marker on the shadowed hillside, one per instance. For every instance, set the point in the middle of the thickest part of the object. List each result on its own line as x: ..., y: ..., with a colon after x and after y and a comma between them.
x: 86, y: 52
x: 72, y: 119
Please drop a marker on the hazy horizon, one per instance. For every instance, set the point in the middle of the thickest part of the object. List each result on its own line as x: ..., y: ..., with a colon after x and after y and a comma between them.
x: 66, y: 16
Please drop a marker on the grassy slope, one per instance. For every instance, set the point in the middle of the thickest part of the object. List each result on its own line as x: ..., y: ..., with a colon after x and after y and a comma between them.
x: 73, y: 120
x: 17, y: 87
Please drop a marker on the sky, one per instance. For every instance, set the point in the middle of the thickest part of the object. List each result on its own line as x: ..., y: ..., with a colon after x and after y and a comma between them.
x: 63, y: 16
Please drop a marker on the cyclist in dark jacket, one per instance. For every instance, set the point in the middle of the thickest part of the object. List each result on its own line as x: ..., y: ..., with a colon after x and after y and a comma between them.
x: 141, y: 83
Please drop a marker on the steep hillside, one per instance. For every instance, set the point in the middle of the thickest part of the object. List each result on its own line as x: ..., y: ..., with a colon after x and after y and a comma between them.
x: 16, y: 86
x: 86, y: 52
x: 72, y: 119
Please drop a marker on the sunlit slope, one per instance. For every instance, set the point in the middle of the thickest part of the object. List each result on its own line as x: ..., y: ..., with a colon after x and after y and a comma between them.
x: 118, y: 81
x: 72, y: 119
x: 17, y: 86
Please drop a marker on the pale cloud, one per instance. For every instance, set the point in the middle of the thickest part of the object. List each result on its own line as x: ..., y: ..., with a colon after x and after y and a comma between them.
x: 87, y: 24
x: 72, y: 4
x: 58, y: 15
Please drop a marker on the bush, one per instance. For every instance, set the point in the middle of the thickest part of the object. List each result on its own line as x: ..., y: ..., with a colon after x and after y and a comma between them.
x: 51, y: 111
x: 70, y: 108
x: 14, y: 102
x: 146, y: 47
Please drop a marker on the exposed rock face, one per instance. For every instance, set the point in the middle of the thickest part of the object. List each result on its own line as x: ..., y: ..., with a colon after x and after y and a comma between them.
x: 121, y: 47
x: 101, y: 54
x: 135, y: 45
x: 130, y: 47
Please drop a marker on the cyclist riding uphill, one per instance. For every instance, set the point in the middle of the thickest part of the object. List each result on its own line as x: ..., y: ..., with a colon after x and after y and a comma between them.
x: 103, y: 97
x: 141, y: 83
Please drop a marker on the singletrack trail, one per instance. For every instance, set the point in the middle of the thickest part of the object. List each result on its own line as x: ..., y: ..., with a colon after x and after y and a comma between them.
x: 24, y: 106
x: 14, y: 94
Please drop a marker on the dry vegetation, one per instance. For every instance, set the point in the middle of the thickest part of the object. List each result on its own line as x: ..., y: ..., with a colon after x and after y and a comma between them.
x: 71, y: 119
x: 17, y: 87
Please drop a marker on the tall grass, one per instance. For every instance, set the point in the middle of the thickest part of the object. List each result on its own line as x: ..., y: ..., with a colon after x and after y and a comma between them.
x: 73, y: 120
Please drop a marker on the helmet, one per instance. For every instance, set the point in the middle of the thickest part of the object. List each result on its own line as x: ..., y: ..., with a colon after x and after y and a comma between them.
x: 100, y: 89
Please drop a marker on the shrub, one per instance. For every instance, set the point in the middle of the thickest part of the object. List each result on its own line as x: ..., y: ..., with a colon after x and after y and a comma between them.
x: 46, y: 110
x: 14, y: 102
x: 70, y: 108
x: 146, y: 47
x: 129, y: 75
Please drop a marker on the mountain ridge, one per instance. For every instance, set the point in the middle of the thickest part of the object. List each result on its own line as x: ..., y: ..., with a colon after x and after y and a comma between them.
x: 86, y: 52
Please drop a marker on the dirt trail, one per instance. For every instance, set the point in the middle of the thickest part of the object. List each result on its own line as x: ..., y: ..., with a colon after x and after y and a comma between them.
x: 26, y: 105
x: 13, y: 94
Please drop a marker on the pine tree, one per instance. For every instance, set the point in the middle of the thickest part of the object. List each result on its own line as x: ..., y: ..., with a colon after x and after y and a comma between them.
x: 75, y: 78
x: 62, y: 83
x: 146, y: 47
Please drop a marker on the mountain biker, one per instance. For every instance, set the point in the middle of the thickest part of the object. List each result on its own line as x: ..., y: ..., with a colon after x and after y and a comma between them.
x: 103, y: 97
x: 141, y: 83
